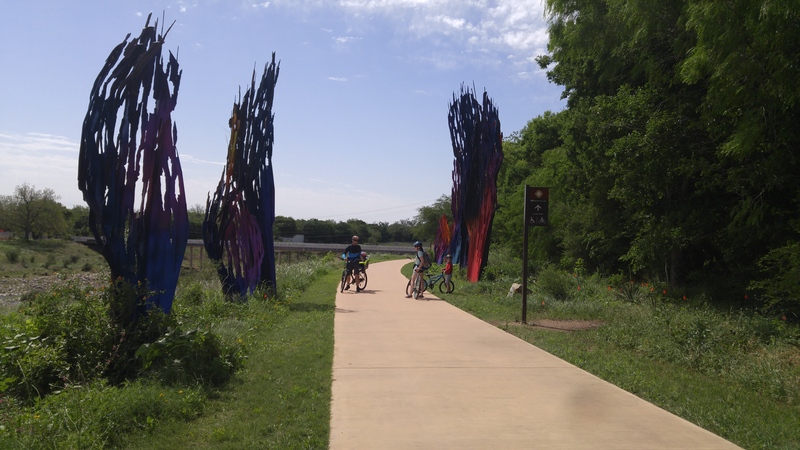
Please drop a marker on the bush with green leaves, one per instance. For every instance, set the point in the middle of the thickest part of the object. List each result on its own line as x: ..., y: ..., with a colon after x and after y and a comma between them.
x: 555, y: 283
x: 72, y: 335
x: 13, y: 255
x: 188, y: 357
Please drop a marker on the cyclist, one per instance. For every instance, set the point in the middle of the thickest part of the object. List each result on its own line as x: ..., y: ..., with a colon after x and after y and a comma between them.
x: 420, y: 265
x: 352, y: 254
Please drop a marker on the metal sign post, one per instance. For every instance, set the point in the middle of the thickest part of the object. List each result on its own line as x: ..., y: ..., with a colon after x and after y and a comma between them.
x: 536, y: 215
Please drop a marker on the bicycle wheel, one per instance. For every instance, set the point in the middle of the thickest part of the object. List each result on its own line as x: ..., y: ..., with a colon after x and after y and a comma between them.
x: 420, y: 287
x: 344, y: 280
x: 446, y: 288
x: 408, y: 289
x: 362, y: 281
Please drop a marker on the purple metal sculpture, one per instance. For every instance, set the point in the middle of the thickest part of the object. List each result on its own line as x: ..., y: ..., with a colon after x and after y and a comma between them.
x: 237, y: 229
x: 128, y: 150
x: 478, y: 150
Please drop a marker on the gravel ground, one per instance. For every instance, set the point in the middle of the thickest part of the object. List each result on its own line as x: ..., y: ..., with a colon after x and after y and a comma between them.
x: 11, y: 289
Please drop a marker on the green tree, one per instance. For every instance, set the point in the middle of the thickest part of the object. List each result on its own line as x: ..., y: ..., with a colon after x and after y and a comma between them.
x: 401, y: 231
x: 284, y: 226
x: 35, y: 213
x: 78, y: 220
x: 427, y: 219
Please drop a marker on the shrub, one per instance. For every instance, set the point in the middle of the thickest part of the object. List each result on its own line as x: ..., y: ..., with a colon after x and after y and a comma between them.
x: 12, y: 255
x: 50, y: 261
x: 192, y: 295
x: 77, y: 317
x: 188, y: 357
x: 556, y: 283
x: 31, y: 365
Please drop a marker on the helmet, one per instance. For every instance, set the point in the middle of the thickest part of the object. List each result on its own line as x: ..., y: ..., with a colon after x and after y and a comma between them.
x: 418, y: 244
x: 364, y: 254
x: 448, y: 255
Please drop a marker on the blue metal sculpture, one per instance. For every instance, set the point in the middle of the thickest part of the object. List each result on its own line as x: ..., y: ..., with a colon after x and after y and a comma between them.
x: 128, y: 156
x: 237, y: 229
x: 478, y: 150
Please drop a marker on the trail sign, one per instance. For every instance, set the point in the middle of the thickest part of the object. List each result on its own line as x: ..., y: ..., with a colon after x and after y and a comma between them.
x: 536, y: 201
x: 536, y: 206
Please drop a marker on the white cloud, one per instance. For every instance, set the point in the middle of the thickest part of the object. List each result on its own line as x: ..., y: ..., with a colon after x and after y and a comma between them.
x: 345, y: 39
x: 42, y: 160
x: 341, y: 79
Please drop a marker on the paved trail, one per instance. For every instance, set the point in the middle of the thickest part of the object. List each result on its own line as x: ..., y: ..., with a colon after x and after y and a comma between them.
x: 422, y: 374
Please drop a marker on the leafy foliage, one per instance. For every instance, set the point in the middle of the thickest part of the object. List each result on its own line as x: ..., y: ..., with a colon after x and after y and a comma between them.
x: 673, y: 161
x: 33, y: 213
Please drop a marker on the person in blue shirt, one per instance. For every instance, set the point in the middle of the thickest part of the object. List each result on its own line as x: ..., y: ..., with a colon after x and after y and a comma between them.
x: 352, y: 254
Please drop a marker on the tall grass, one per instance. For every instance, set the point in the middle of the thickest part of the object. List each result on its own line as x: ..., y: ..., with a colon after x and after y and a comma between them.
x: 285, y: 346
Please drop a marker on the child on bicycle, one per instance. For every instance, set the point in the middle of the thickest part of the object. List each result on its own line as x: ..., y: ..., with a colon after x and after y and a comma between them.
x: 352, y: 254
x: 420, y: 265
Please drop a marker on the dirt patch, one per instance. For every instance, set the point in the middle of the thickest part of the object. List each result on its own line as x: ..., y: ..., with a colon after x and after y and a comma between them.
x: 12, y: 288
x: 557, y: 325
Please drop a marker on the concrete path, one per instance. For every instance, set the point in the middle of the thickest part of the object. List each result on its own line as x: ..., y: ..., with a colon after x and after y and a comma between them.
x: 422, y: 374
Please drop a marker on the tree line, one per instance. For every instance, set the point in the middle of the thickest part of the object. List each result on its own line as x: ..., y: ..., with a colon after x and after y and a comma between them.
x: 33, y: 213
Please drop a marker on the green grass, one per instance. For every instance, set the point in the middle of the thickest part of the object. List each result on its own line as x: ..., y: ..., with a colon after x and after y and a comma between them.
x: 20, y: 258
x: 282, y: 397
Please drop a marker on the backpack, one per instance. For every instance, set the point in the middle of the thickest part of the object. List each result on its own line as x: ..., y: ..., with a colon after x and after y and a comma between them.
x: 426, y: 260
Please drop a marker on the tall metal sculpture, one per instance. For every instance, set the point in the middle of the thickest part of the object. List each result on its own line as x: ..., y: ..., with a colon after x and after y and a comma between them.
x: 237, y: 229
x: 478, y: 150
x: 128, y: 156
x: 441, y: 243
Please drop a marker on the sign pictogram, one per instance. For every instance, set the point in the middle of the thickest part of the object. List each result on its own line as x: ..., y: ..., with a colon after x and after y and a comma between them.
x: 536, y: 206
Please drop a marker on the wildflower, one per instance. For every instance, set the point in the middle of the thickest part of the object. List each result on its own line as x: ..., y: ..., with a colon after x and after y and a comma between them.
x: 664, y: 292
x: 579, y: 288
x: 161, y: 394
x: 745, y: 296
x: 684, y: 297
x: 783, y: 318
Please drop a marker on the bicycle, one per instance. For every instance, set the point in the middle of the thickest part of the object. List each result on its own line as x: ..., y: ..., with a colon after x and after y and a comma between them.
x: 359, y: 279
x: 429, y: 281
x: 445, y: 287
x: 420, y: 287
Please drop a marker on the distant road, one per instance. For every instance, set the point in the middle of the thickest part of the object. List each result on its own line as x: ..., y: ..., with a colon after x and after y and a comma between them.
x: 296, y: 246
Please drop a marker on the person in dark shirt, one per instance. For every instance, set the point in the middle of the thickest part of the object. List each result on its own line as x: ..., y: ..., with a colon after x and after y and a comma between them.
x: 352, y: 254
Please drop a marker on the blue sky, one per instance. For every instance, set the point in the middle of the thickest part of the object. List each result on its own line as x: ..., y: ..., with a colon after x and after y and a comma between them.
x: 360, y: 105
